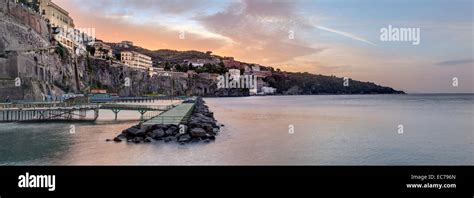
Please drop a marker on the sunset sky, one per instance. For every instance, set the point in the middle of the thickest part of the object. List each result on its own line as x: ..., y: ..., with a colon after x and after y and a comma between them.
x: 331, y: 37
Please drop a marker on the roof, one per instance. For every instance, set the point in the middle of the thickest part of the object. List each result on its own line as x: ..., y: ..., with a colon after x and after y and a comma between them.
x: 58, y: 8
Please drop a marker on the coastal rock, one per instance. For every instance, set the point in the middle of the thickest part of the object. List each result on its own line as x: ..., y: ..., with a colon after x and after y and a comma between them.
x: 157, y: 134
x: 134, y: 132
x: 138, y: 140
x: 122, y: 136
x: 208, y: 128
x: 170, y: 139
x: 148, y: 140
x: 215, y: 131
x: 212, y: 138
x: 172, y: 130
x: 184, y: 138
x: 198, y: 132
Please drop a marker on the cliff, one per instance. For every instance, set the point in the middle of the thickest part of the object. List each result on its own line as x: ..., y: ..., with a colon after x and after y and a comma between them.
x: 28, y: 54
x: 33, y: 67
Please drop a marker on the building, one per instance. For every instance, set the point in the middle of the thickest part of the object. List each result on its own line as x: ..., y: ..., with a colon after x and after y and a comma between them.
x: 201, y: 62
x: 205, y: 76
x: 262, y: 74
x: 98, y: 91
x: 171, y: 74
x: 268, y: 90
x: 126, y: 44
x: 136, y: 60
x: 231, y: 63
x: 57, y: 16
x: 65, y: 33
x: 191, y: 73
x: 215, y: 77
x: 197, y: 64
x: 255, y: 68
x: 102, y: 50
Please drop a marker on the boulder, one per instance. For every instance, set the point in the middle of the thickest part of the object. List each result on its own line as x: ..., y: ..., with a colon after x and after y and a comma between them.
x: 184, y: 138
x: 170, y: 139
x: 198, y: 132
x: 122, y: 136
x: 138, y: 140
x: 207, y: 127
x: 134, y: 132
x: 157, y: 134
x: 209, y: 114
x: 148, y: 140
x: 172, y: 130
x: 215, y: 131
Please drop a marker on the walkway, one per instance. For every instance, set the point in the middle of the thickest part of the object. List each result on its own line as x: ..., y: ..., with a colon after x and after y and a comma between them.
x: 173, y: 116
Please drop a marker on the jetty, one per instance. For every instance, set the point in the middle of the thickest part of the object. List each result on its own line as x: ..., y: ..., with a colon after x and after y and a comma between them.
x: 62, y: 111
x: 173, y: 116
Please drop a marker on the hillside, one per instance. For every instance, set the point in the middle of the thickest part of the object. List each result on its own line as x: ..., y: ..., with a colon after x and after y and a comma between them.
x: 287, y: 83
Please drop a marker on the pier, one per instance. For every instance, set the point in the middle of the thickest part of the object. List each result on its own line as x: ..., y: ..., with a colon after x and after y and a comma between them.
x: 77, y: 113
x: 59, y: 111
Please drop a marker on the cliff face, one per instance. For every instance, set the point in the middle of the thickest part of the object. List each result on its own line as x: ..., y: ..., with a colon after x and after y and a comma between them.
x: 27, y: 54
x: 101, y: 73
x: 24, y: 47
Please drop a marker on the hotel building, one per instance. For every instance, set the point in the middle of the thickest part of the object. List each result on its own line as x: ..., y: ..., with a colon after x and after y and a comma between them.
x: 57, y: 16
x: 136, y: 60
x: 102, y: 50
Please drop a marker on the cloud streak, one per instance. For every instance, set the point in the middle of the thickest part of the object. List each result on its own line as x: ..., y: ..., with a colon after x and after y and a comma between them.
x: 345, y: 34
x: 455, y: 62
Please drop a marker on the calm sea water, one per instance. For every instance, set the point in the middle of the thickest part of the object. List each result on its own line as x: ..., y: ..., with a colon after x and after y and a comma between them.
x: 328, y: 130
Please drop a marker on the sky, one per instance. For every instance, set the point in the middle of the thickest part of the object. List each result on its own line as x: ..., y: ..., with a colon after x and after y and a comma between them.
x: 329, y: 37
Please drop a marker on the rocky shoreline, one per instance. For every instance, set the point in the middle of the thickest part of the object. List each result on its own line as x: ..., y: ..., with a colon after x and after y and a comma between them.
x: 201, y: 126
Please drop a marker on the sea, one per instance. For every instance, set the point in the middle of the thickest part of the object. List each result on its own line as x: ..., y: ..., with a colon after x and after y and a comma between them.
x: 411, y: 129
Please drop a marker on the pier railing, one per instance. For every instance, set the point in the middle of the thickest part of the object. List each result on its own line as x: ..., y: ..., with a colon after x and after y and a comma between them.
x: 163, y: 119
x: 52, y: 111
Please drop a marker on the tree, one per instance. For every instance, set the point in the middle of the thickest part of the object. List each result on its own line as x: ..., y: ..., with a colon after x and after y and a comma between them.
x: 167, y: 66
x: 33, y: 4
x: 91, y: 50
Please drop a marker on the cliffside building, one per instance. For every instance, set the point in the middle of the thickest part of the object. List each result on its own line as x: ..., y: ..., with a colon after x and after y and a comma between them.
x: 136, y: 60
x: 57, y: 16
x: 126, y: 44
x: 102, y: 50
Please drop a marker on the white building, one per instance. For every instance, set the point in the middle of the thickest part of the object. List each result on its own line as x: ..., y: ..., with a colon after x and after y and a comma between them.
x: 136, y: 60
x: 57, y: 16
x: 255, y: 68
x: 102, y: 50
x: 268, y: 90
x: 126, y: 44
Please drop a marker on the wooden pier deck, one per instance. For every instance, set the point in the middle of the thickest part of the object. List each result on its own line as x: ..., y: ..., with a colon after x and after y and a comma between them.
x: 174, y: 116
